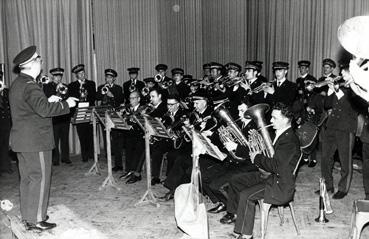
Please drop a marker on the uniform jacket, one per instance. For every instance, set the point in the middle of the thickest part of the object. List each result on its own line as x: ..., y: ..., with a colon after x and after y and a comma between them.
x: 286, y: 93
x: 115, y: 101
x: 139, y: 85
x: 160, y: 111
x: 257, y: 98
x: 324, y: 89
x: 31, y: 116
x: 280, y: 185
x: 343, y: 116
x: 90, y: 86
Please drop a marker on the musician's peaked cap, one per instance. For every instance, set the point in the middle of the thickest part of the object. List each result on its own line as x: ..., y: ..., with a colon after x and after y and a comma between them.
x: 252, y: 65
x: 58, y: 71
x: 159, y: 67
x: 111, y: 72
x: 177, y: 71
x: 149, y: 79
x: 233, y: 66
x: 206, y: 66
x: 200, y: 95
x: 280, y: 65
x: 330, y: 62
x: 216, y: 65
x: 78, y: 68
x: 133, y: 70
x: 25, y: 56
x: 304, y: 63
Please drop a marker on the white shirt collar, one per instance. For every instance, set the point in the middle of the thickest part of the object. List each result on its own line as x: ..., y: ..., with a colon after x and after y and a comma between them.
x: 279, y: 132
x: 252, y: 80
x: 303, y: 76
x: 280, y: 82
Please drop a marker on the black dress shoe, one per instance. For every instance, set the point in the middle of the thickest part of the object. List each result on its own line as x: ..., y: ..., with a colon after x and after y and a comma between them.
x: 155, y: 181
x: 339, y: 195
x: 126, y: 174
x: 66, y: 161
x: 133, y: 179
x: 219, y: 208
x: 331, y: 190
x: 228, y: 218
x: 45, y: 225
x: 241, y: 237
x: 32, y: 227
x: 56, y: 163
x: 117, y: 168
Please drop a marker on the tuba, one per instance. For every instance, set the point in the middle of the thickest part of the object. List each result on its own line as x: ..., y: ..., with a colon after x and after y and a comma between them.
x: 231, y: 132
x: 257, y: 112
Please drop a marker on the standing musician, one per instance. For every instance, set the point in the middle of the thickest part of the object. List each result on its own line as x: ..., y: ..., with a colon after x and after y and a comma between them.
x: 217, y: 91
x: 339, y: 135
x: 85, y: 91
x: 278, y: 188
x: 215, y: 186
x: 328, y: 66
x: 31, y: 137
x: 305, y: 79
x: 145, y: 92
x: 181, y: 88
x: 172, y: 120
x: 111, y: 94
x: 206, y: 72
x: 61, y: 123
x: 135, y: 143
x: 5, y: 126
x: 200, y: 119
x: 281, y: 90
x: 252, y: 71
x: 133, y: 83
x: 235, y: 93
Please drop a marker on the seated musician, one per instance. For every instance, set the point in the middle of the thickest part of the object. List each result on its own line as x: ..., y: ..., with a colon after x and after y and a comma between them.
x: 156, y: 109
x: 278, y: 188
x: 135, y: 143
x: 172, y: 120
x: 215, y: 178
x: 203, y: 121
x: 111, y: 94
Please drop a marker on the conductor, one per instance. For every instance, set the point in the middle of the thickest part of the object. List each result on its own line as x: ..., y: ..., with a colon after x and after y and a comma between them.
x: 31, y: 137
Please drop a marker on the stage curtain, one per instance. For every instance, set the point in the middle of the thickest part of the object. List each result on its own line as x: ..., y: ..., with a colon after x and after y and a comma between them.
x: 276, y: 30
x: 126, y: 35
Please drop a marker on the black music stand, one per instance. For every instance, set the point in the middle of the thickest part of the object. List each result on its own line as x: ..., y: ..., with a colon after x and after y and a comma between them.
x: 152, y: 127
x: 95, y: 169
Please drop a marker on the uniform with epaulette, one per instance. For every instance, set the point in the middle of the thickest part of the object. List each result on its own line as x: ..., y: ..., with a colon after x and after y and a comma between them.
x: 61, y: 124
x: 32, y: 138
x: 85, y: 91
x: 5, y: 125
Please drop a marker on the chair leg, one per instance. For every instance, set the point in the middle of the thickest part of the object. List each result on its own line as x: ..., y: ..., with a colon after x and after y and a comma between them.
x: 281, y: 214
x: 293, y: 217
x: 264, y: 212
x: 353, y: 220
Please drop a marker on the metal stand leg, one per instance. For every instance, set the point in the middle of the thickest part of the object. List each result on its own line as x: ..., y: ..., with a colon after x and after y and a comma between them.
x: 148, y: 197
x: 110, y: 181
x: 95, y: 169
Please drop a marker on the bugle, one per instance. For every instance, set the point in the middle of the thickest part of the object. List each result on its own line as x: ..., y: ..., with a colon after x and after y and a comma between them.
x: 104, y: 89
x: 262, y: 87
x: 145, y: 91
x: 158, y: 78
x: 325, y: 82
x: 62, y: 90
x: 132, y: 88
x: 44, y: 79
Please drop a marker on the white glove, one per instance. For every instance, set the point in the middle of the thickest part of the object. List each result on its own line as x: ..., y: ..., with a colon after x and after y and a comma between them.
x: 72, y: 102
x: 230, y: 146
x: 54, y: 98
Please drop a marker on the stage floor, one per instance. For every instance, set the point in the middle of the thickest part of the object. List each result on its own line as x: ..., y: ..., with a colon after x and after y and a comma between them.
x: 77, y: 205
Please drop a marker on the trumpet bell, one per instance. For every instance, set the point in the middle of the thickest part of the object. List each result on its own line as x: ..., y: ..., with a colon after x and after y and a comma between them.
x: 353, y: 35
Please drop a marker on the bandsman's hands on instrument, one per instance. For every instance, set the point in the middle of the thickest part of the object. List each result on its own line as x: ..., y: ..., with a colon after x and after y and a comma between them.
x: 269, y: 89
x: 72, y: 101
x: 109, y: 94
x: 253, y: 155
x: 230, y: 146
x: 54, y: 98
x: 207, y: 133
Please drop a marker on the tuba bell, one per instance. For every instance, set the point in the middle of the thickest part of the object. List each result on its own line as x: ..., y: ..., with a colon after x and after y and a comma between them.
x: 257, y: 113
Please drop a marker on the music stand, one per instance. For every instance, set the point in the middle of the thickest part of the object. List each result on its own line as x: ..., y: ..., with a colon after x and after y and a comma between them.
x: 95, y: 168
x: 152, y: 127
x: 109, y: 124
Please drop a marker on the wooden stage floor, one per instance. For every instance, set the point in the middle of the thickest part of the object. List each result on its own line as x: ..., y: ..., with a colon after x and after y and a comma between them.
x: 78, y: 206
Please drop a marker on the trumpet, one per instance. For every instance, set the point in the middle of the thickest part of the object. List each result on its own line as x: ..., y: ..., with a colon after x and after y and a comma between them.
x: 105, y: 90
x: 166, y: 84
x: 132, y: 88
x: 325, y: 82
x: 262, y: 87
x: 145, y: 91
x: 149, y: 108
x: 158, y: 78
x: 236, y: 81
x: 62, y: 90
